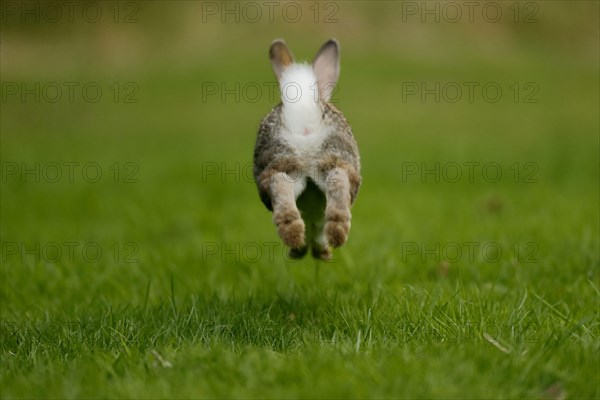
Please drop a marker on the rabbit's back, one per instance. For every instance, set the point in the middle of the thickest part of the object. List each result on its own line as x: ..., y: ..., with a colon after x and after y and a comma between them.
x: 305, y: 157
x: 340, y: 144
x: 269, y: 142
x: 270, y: 150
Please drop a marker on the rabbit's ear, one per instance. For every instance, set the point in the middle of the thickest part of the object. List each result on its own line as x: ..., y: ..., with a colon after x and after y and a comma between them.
x: 327, y: 68
x: 281, y: 57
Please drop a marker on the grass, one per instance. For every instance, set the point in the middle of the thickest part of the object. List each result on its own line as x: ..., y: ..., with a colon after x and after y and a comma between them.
x: 467, y: 289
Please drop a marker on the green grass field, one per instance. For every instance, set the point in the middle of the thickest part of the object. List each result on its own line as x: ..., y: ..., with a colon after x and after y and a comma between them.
x: 139, y: 262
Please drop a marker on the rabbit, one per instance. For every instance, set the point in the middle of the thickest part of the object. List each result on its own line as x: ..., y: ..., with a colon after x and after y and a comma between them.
x: 306, y: 161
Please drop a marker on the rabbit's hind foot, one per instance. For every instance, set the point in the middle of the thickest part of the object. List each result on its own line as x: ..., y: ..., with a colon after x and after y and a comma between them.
x: 290, y: 227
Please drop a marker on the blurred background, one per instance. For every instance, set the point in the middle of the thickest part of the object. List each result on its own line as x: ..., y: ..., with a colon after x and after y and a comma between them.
x: 163, y: 100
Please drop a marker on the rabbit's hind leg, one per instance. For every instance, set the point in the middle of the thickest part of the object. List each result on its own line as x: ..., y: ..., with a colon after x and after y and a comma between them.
x: 286, y: 215
x: 337, y: 212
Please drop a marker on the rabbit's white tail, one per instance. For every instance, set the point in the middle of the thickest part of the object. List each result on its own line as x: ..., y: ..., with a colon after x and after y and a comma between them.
x: 300, y: 97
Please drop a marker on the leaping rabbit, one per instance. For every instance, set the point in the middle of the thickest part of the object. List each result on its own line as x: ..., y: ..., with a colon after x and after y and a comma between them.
x: 306, y: 161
